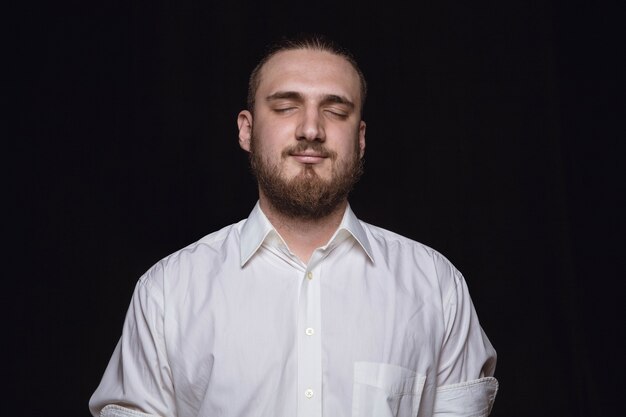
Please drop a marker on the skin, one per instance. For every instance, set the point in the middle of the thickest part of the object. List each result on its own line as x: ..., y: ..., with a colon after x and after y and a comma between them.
x: 305, y: 95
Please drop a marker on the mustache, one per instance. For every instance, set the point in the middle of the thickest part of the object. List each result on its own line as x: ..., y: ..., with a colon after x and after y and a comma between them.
x: 316, y: 147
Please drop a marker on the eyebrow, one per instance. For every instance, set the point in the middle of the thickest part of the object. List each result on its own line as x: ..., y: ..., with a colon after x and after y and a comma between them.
x: 294, y: 95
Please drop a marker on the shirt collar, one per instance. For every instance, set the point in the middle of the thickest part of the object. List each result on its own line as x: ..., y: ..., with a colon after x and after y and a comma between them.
x: 257, y: 227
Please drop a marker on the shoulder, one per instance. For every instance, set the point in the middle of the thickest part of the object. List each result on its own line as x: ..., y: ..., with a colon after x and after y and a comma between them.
x: 209, y: 251
x: 385, y: 238
x: 399, y: 251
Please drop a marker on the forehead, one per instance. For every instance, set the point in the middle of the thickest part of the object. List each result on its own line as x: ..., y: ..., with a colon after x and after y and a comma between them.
x: 309, y: 72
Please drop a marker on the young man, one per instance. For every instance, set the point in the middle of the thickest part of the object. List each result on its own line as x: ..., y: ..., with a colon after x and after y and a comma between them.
x: 301, y: 309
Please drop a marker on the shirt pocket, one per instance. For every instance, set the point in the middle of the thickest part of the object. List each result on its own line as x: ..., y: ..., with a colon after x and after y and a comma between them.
x: 385, y: 390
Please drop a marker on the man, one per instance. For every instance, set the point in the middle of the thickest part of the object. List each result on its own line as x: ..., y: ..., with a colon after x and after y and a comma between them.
x: 301, y: 309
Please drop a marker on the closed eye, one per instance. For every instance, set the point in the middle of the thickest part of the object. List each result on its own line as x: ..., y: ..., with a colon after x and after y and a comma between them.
x: 283, y: 109
x: 337, y: 113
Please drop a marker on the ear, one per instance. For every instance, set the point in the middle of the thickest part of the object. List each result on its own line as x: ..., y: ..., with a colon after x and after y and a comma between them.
x: 244, y: 121
x: 362, y: 138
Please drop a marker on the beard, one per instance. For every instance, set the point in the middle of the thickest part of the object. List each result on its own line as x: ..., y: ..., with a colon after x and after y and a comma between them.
x: 306, y: 196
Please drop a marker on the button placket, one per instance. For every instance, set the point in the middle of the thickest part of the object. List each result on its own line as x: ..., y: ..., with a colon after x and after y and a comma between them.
x: 309, y: 345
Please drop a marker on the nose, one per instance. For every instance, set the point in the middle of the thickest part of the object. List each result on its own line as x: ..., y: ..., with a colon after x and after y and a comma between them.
x: 310, y: 126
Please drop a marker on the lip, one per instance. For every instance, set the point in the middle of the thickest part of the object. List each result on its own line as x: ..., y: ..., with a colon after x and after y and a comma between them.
x: 308, y: 158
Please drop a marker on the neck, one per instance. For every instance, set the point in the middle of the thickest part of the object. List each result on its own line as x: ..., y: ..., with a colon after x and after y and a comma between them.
x: 303, y: 235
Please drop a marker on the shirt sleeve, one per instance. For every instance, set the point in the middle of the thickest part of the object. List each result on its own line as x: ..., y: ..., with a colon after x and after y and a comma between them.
x: 465, y: 382
x: 138, y: 374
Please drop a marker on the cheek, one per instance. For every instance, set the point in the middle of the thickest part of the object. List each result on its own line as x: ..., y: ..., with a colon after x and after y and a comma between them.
x: 349, y: 147
x: 273, y: 137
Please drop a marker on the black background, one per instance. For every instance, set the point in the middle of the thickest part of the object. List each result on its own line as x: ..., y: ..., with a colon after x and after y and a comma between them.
x: 495, y: 133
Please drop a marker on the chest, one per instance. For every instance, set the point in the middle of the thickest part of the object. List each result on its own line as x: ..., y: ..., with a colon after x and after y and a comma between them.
x: 263, y: 325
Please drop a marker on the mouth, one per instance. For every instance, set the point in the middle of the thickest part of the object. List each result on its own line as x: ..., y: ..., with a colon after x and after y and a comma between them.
x: 308, y: 157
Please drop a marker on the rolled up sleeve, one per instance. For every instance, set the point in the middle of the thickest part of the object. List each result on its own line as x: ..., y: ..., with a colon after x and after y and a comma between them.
x: 473, y: 398
x: 466, y: 386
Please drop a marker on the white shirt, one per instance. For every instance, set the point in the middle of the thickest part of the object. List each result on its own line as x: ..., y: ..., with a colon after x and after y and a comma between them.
x: 235, y: 325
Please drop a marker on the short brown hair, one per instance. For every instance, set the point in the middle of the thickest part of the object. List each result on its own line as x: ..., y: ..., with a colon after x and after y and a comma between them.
x: 313, y: 41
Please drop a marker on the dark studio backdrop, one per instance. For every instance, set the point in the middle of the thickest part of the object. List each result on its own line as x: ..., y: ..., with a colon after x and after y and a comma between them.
x: 494, y: 135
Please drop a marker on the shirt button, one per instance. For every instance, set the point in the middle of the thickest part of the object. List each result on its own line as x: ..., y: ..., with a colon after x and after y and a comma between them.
x: 308, y: 393
x: 309, y: 331
x: 309, y: 275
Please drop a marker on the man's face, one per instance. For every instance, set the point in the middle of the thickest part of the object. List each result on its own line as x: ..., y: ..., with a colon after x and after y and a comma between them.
x: 306, y: 137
